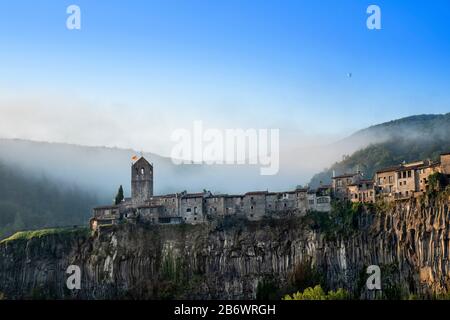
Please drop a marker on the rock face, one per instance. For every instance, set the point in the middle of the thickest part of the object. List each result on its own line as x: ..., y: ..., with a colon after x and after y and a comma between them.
x: 409, y: 241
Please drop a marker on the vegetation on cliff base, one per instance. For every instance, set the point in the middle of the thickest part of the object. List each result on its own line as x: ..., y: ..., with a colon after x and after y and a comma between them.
x: 304, y: 275
x: 317, y: 293
x: 37, y: 234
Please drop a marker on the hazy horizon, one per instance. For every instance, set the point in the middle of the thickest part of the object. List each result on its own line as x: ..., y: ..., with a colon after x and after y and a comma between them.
x: 134, y: 73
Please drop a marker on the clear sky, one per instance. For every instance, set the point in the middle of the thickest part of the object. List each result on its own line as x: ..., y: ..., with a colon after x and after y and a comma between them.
x: 138, y: 69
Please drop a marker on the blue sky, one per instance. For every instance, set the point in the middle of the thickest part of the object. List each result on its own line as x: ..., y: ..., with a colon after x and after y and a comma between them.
x: 247, y: 63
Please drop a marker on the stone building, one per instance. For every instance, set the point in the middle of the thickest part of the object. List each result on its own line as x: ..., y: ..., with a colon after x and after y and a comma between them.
x: 320, y: 199
x: 340, y: 184
x: 234, y: 205
x: 408, y: 179
x: 445, y: 164
x: 255, y: 204
x: 141, y: 181
x: 385, y: 180
x: 216, y: 205
x: 193, y: 207
x: 363, y: 191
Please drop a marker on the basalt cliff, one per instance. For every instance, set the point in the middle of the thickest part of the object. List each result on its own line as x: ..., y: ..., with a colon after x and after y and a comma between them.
x: 237, y: 259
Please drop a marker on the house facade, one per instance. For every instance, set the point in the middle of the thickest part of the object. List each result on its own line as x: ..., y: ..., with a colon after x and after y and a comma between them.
x: 341, y: 183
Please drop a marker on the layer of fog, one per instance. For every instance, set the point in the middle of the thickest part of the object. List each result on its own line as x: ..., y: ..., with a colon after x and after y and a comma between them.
x: 102, y: 169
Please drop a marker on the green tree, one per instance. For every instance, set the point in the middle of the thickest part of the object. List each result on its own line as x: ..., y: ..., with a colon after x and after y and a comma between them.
x: 437, y: 181
x: 119, y: 196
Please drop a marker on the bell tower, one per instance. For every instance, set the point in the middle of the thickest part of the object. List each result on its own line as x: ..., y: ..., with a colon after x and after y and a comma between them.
x: 141, y: 181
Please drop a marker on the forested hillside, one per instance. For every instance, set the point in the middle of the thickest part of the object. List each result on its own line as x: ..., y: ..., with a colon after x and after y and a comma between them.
x: 29, y: 202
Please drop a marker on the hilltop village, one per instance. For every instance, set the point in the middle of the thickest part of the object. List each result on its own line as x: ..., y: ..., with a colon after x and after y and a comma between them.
x: 400, y: 182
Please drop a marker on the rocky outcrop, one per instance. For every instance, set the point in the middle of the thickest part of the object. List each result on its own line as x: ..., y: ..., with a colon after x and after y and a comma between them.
x: 408, y: 240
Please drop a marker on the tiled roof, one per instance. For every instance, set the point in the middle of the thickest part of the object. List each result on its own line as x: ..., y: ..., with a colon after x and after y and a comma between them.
x: 194, y: 195
x: 106, y: 207
x: 345, y: 175
x: 254, y: 193
x: 403, y: 168
x: 387, y: 169
x: 149, y: 206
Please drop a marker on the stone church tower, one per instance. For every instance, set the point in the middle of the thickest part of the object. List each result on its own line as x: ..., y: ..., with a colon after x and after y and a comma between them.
x: 141, y: 181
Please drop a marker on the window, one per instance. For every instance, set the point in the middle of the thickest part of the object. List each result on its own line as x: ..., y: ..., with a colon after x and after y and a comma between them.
x: 404, y: 174
x: 391, y: 179
x: 142, y: 171
x: 322, y: 200
x: 195, y: 210
x: 311, y: 201
x: 251, y: 208
x: 399, y: 175
x: 409, y: 174
x: 188, y: 210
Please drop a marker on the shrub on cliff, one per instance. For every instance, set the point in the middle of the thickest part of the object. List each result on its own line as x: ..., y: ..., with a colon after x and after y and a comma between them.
x: 317, y: 293
x: 341, y: 221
